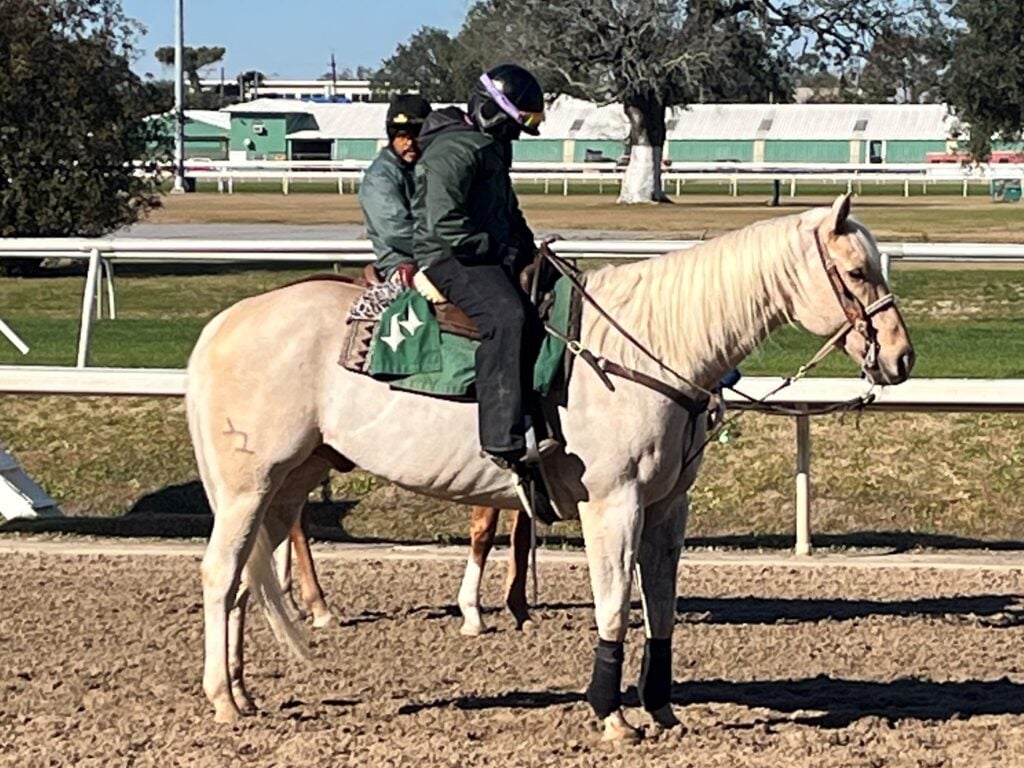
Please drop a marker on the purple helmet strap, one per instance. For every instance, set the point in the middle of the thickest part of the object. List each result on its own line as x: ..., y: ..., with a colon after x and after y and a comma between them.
x: 501, y: 99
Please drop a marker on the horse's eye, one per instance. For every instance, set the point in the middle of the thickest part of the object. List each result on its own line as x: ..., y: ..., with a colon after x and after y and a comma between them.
x: 856, y: 273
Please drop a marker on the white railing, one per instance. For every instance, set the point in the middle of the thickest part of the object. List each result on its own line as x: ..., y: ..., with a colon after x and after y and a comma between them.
x: 930, y: 395
x: 102, y: 254
x: 562, y: 174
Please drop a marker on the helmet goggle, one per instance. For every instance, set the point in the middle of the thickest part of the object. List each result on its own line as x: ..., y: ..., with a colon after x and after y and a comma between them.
x: 525, y: 119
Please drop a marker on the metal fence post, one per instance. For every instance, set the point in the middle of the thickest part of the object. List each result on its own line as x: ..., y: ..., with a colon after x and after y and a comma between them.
x: 85, y: 331
x: 803, y: 485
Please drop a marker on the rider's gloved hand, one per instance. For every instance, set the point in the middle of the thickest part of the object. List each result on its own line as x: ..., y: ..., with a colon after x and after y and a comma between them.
x: 427, y: 289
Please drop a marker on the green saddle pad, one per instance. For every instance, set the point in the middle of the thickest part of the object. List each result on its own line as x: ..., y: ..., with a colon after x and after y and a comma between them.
x: 411, y: 353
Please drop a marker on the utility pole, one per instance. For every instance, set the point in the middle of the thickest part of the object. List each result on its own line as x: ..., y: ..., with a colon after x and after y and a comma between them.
x: 334, y: 77
x: 179, y: 96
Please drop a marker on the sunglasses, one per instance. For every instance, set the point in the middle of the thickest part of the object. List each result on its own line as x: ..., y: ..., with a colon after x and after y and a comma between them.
x: 525, y: 119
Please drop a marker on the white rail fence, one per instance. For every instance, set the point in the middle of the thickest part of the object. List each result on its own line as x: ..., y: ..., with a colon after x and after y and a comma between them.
x: 921, y: 395
x: 102, y: 254
x: 916, y: 395
x: 347, y: 173
x: 347, y: 180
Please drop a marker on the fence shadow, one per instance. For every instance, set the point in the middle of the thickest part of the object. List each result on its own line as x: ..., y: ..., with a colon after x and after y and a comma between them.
x: 831, y: 702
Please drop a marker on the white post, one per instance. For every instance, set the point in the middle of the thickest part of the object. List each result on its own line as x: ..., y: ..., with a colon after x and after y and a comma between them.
x: 886, y: 266
x: 19, y: 495
x: 803, y: 485
x: 906, y: 187
x: 565, y: 186
x: 85, y: 332
x: 231, y: 185
x: 11, y: 336
x: 179, y: 96
x: 341, y: 185
x: 965, y: 187
x: 792, y: 187
x: 108, y: 269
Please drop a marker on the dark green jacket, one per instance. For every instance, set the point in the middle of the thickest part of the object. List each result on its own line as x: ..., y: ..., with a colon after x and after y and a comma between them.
x: 464, y: 203
x: 386, y: 198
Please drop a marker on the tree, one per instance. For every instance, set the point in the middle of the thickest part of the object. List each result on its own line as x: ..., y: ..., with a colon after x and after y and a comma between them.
x: 985, y: 80
x: 431, y: 63
x: 72, y: 120
x: 193, y: 60
x: 906, y: 68
x: 650, y: 55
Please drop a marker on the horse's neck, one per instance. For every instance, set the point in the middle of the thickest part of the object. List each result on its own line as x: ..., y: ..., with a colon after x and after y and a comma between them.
x: 701, y: 311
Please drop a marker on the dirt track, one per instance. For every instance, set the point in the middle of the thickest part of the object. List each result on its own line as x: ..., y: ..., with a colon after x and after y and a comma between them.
x: 100, y: 662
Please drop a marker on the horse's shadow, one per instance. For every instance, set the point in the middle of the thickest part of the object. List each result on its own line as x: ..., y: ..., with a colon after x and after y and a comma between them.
x: 821, y: 701
x: 997, y: 611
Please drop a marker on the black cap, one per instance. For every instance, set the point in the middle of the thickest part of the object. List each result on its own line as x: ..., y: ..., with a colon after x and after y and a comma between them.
x: 406, y: 114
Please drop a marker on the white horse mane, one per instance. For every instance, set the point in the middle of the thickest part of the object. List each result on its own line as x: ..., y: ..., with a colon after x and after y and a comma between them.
x: 715, y: 301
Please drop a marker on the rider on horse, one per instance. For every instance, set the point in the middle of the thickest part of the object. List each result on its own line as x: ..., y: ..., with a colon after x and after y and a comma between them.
x: 472, y: 241
x: 387, y: 189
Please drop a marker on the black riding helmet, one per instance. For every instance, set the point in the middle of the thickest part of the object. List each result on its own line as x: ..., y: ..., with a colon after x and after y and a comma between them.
x: 507, y: 99
x: 406, y: 114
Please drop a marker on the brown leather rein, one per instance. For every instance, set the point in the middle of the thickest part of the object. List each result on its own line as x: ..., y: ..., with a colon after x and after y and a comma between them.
x: 858, y: 317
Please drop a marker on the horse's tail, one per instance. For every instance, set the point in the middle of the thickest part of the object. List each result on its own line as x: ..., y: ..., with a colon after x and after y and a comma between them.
x: 259, y: 574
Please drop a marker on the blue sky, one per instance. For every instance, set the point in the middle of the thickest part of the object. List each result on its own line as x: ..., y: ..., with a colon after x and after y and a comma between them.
x: 291, y: 39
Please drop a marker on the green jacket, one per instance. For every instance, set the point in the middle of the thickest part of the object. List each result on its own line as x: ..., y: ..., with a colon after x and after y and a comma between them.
x: 386, y: 196
x: 464, y: 204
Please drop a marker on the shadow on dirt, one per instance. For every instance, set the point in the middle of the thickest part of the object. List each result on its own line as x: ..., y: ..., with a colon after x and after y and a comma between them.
x: 828, y: 702
x: 821, y: 702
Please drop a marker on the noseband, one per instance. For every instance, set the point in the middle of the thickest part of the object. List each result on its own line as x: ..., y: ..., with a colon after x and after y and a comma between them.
x: 858, y: 315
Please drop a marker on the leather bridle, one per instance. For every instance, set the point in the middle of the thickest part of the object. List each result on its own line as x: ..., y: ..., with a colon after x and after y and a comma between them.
x: 858, y: 315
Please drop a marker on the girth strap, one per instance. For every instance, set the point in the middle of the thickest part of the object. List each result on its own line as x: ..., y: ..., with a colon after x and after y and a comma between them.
x: 675, y: 395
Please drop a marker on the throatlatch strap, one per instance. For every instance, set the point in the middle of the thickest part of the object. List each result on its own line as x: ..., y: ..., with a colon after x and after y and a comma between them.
x: 656, y: 674
x: 605, y: 690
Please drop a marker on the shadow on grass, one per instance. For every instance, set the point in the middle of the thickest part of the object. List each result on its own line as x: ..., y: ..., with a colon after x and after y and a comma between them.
x: 822, y: 702
x: 182, y: 511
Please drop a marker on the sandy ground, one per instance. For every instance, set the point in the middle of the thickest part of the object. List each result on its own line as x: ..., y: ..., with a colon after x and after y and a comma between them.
x: 775, y: 665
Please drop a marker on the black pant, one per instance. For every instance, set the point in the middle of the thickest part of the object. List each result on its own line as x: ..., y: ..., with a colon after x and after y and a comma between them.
x: 487, y: 294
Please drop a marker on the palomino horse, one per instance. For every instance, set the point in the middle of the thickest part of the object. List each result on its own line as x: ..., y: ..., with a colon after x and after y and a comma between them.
x: 269, y: 409
x: 482, y: 529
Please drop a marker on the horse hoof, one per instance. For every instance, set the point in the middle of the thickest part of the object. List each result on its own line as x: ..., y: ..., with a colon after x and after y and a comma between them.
x: 618, y: 731
x: 227, y: 715
x: 245, y: 704
x: 664, y: 718
x: 322, y: 620
x: 471, y: 630
x: 529, y: 626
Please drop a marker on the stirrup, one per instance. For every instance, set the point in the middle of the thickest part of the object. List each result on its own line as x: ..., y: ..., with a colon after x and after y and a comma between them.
x: 533, y: 495
x: 538, y: 451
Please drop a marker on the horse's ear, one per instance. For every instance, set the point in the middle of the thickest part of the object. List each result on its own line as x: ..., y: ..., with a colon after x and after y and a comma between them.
x: 839, y: 214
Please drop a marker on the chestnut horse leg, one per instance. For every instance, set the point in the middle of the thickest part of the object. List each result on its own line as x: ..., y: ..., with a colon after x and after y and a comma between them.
x: 483, y: 523
x: 310, y: 592
x: 518, y: 561
x: 483, y: 526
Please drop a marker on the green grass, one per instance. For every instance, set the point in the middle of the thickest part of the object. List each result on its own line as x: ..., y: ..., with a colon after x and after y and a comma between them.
x: 923, y: 475
x: 963, y: 322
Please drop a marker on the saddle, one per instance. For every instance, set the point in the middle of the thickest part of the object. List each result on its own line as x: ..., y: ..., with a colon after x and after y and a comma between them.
x: 536, y: 279
x: 450, y: 317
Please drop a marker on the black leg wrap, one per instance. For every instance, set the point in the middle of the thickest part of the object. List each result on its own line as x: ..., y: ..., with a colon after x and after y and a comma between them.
x: 656, y: 674
x: 605, y: 690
